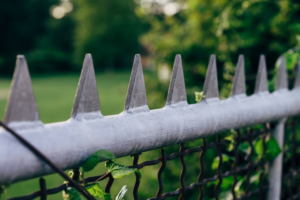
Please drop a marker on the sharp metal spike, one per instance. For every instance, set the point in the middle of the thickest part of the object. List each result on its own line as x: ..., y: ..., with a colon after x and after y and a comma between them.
x: 136, y: 99
x: 282, y: 82
x: 297, y: 81
x: 87, y: 105
x: 262, y: 80
x: 211, y: 82
x: 21, y: 104
x: 177, y: 91
x: 238, y: 86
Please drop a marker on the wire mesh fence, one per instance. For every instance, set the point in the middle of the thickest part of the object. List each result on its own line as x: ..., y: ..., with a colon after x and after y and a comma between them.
x: 237, y: 171
x: 291, y: 164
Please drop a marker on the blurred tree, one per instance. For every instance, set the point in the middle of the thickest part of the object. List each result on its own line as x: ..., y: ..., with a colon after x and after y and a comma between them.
x: 28, y: 28
x: 109, y: 30
x: 225, y: 28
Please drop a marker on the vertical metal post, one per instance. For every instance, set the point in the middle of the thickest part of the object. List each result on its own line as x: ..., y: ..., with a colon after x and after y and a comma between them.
x: 275, y: 173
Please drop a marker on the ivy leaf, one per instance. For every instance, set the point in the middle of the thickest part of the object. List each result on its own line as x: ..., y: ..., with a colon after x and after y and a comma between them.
x: 272, y: 149
x: 93, y: 160
x: 216, y: 161
x: 96, y: 191
x: 71, y: 194
x: 122, y: 193
x: 119, y: 171
x: 259, y: 148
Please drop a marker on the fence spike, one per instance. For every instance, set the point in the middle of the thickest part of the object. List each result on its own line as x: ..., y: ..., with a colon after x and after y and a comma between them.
x: 211, y: 81
x: 136, y: 99
x: 297, y: 81
x: 87, y: 98
x: 21, y: 104
x: 238, y: 86
x: 282, y: 82
x: 262, y: 79
x: 177, y: 91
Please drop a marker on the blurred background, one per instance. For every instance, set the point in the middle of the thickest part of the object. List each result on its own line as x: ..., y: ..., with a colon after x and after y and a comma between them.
x: 55, y: 35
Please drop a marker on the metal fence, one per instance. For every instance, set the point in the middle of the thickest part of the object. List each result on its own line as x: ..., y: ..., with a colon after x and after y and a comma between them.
x: 138, y: 129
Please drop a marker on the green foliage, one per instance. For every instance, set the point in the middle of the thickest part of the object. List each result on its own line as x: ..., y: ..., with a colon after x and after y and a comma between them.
x: 225, y: 159
x: 244, y: 148
x: 119, y: 171
x: 71, y: 194
x: 292, y: 58
x: 230, y: 139
x: 108, y: 30
x: 30, y: 30
x: 227, y: 29
x: 93, y: 189
x: 93, y: 160
x: 122, y: 193
x: 3, y: 191
x: 199, y: 96
x: 272, y: 149
x: 96, y: 191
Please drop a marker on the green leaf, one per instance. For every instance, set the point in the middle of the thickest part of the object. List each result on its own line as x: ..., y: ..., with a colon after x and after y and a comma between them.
x: 216, y: 161
x: 122, y: 193
x: 71, y: 194
x: 199, y: 96
x: 291, y: 58
x: 245, y: 148
x: 96, y: 191
x: 227, y: 183
x: 272, y: 149
x: 93, y: 160
x: 117, y: 170
x: 254, y: 179
x: 259, y: 149
x: 230, y: 138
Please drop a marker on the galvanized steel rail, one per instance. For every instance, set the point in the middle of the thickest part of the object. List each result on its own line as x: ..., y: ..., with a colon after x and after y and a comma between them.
x: 137, y: 129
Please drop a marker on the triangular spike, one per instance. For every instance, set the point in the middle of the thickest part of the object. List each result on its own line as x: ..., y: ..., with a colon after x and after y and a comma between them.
x: 262, y: 79
x: 238, y: 86
x: 136, y: 99
x: 87, y: 98
x: 177, y: 91
x: 21, y: 104
x: 282, y: 82
x: 211, y: 81
x: 297, y: 81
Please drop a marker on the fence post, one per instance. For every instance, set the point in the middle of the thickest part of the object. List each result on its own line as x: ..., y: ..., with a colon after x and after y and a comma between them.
x: 275, y: 173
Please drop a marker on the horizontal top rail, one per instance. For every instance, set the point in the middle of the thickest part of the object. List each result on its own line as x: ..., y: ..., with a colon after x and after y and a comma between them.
x: 68, y: 144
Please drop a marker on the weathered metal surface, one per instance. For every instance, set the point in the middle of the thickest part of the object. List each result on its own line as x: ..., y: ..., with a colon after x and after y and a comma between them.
x: 210, y: 88
x: 297, y: 82
x: 282, y: 81
x: 177, y: 91
x: 21, y: 105
x: 262, y: 80
x: 87, y: 105
x: 68, y: 144
x: 239, y: 87
x: 136, y: 99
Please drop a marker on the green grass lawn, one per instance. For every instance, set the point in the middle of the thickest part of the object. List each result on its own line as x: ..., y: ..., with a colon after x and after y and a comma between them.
x: 55, y: 96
